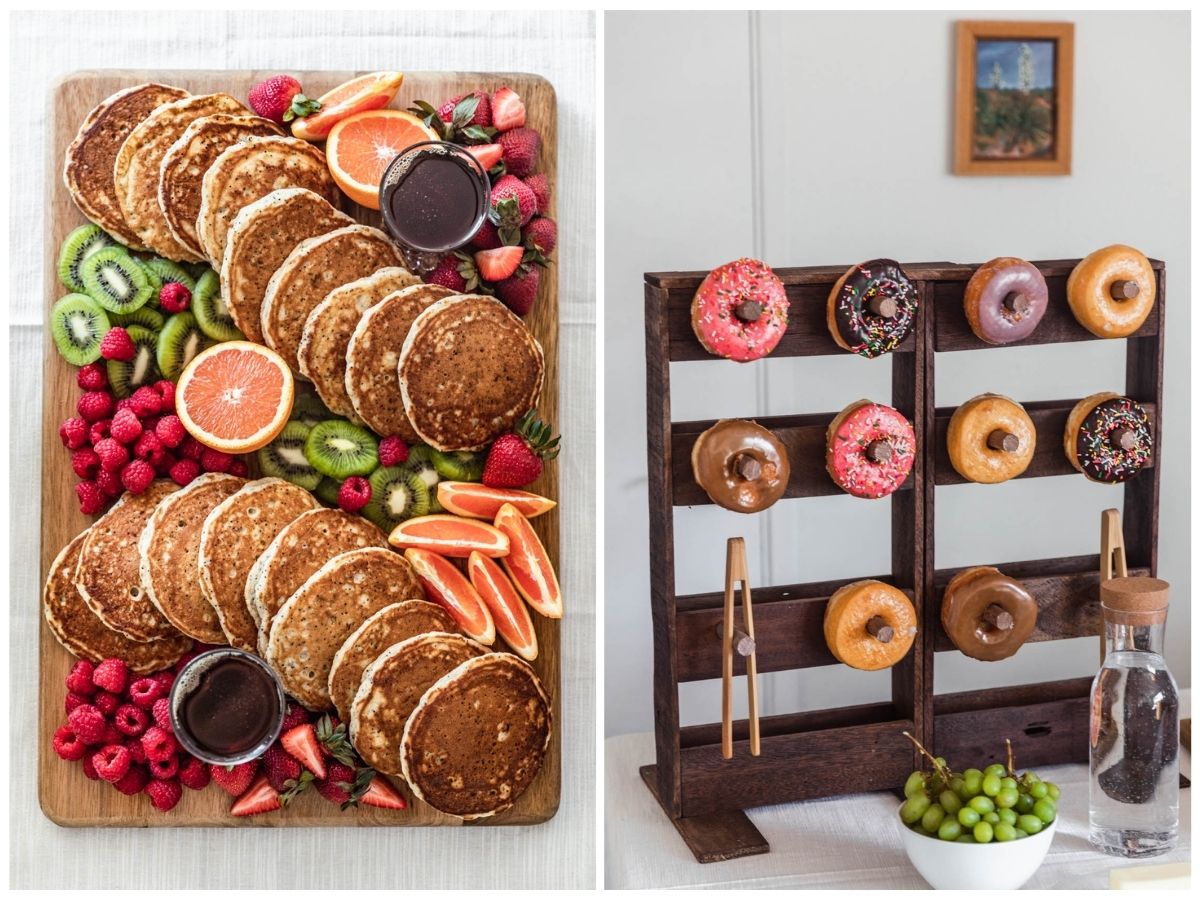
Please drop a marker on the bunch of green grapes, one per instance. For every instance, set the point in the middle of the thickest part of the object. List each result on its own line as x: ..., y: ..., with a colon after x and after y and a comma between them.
x: 978, y: 807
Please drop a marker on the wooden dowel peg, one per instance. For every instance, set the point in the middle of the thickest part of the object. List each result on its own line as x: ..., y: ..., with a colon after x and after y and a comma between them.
x: 1004, y: 440
x: 1016, y: 302
x: 1123, y: 290
x: 1123, y: 438
x: 747, y: 467
x: 998, y: 617
x: 878, y: 451
x: 748, y: 311
x: 879, y: 629
x: 743, y: 644
x: 884, y: 307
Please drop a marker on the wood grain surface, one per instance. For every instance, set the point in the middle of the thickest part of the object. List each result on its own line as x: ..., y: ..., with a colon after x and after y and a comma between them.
x: 66, y: 796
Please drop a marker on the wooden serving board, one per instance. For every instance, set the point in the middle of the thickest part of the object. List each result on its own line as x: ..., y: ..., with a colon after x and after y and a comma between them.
x: 67, y: 797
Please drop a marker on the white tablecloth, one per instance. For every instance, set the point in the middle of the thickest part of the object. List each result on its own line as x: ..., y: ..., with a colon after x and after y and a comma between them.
x: 843, y: 842
x: 560, y: 47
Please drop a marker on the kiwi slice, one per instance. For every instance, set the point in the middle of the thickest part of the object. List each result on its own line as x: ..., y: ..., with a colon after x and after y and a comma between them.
x: 146, y: 317
x: 165, y: 270
x: 308, y: 408
x: 126, y: 377
x: 79, y: 245
x: 212, y: 313
x: 115, y: 280
x: 339, y: 449
x: 78, y: 324
x: 458, y: 465
x: 284, y: 457
x: 397, y: 493
x: 420, y: 461
x: 327, y: 491
x: 178, y: 344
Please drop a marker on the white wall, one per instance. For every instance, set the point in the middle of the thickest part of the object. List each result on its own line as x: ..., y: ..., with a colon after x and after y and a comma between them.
x: 825, y: 138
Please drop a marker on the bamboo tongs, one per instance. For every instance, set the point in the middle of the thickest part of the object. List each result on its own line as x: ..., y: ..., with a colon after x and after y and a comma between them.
x: 735, y: 571
x: 1112, y: 556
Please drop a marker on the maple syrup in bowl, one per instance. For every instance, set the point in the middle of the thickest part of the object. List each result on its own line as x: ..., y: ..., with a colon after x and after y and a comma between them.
x: 227, y: 707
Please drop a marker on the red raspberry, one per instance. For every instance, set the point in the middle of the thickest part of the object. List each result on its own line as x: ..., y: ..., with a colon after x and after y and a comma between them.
x: 137, y: 476
x: 111, y: 675
x: 134, y: 782
x: 147, y: 446
x: 146, y: 401
x: 99, y: 431
x: 174, y: 297
x: 80, y: 678
x: 164, y: 794
x: 107, y: 702
x: 159, y: 744
x: 354, y: 494
x: 73, y: 700
x: 166, y: 390
x: 125, y: 427
x: 392, y: 451
x: 109, y: 483
x: 73, y: 432
x: 130, y: 720
x: 118, y: 345
x: 85, y: 462
x: 191, y: 448
x: 91, y: 498
x: 126, y: 403
x: 136, y: 750
x: 184, y: 471
x: 164, y: 768
x: 170, y: 431
x: 161, y: 710
x: 68, y: 745
x: 215, y: 461
x: 88, y: 723
x: 92, y: 377
x: 112, y: 762
x: 112, y: 455
x: 239, y: 468
x: 89, y: 767
x: 194, y: 774
x: 163, y: 462
x: 145, y: 691
x: 111, y: 735
x: 166, y: 678
x: 95, y: 405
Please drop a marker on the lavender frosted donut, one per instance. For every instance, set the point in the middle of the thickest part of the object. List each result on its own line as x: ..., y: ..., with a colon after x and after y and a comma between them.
x: 1005, y: 299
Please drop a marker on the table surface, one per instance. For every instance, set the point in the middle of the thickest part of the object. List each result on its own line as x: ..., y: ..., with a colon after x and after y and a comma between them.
x: 560, y: 47
x: 821, y: 843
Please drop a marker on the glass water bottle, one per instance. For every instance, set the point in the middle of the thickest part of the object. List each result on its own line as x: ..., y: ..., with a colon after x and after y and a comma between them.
x: 1133, y: 788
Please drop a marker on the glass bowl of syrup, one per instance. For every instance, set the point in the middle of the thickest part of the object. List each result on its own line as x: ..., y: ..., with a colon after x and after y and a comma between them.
x: 227, y: 707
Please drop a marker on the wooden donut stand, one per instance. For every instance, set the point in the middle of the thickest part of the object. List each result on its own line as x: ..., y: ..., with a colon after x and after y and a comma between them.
x: 851, y: 749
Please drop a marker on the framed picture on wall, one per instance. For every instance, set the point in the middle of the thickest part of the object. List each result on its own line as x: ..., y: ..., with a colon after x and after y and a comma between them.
x: 1012, y: 109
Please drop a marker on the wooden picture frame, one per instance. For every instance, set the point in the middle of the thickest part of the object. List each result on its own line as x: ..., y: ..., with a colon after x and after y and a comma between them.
x: 1029, y: 106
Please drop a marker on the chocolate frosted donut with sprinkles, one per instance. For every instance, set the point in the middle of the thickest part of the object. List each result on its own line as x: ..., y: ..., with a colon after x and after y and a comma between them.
x: 740, y: 310
x: 872, y: 308
x: 1108, y: 438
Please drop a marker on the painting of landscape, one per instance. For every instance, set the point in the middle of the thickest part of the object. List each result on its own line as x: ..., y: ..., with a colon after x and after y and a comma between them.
x: 1014, y: 100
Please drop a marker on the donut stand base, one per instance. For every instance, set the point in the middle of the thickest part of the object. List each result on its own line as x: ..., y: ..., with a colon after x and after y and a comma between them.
x: 714, y: 837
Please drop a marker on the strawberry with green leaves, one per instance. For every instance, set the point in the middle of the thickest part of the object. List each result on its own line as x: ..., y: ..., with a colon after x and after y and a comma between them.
x: 515, y: 459
x: 463, y: 120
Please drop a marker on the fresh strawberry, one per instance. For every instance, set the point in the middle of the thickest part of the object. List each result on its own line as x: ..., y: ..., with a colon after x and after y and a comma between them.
x: 447, y: 275
x: 334, y: 740
x: 508, y: 110
x: 541, y: 234
x: 487, y: 154
x: 259, y: 797
x: 496, y: 265
x: 235, y: 781
x: 540, y: 185
x: 380, y: 793
x: 487, y: 237
x: 515, y: 459
x: 296, y: 715
x: 301, y: 742
x: 338, y: 784
x: 481, y: 113
x: 513, y: 203
x: 280, y: 767
x: 279, y: 99
x: 520, y: 291
x: 521, y: 147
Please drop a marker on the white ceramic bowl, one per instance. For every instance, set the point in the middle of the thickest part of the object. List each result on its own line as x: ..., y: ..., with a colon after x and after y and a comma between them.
x: 947, y: 865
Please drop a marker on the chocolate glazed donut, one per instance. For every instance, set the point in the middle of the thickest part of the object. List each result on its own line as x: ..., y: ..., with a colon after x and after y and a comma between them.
x: 1004, y: 300
x: 987, y: 615
x: 872, y: 308
x: 741, y: 465
x: 1108, y: 438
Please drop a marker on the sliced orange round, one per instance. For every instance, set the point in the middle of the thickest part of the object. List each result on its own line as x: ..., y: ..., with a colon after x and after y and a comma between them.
x: 447, y: 586
x: 235, y: 397
x: 372, y: 91
x: 449, y: 536
x: 361, y: 146
x: 528, y: 564
x: 506, y: 606
x: 478, y: 501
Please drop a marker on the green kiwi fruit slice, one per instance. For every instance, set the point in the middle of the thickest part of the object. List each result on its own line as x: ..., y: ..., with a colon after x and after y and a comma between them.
x: 420, y: 461
x: 339, y: 449
x: 165, y: 270
x: 212, y: 313
x: 458, y: 465
x: 78, y: 324
x: 79, y: 245
x: 308, y: 408
x: 327, y: 491
x: 115, y: 280
x: 126, y: 377
x: 179, y: 342
x: 397, y: 493
x: 146, y: 317
x: 284, y: 457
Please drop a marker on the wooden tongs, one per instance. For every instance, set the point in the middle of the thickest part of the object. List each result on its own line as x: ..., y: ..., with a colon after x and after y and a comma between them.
x: 736, y: 570
x: 1112, y: 556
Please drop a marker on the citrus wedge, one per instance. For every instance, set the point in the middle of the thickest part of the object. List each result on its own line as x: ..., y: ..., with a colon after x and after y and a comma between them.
x: 373, y: 91
x: 235, y: 396
x: 449, y: 536
x: 360, y: 147
x: 478, y: 501
x: 528, y: 564
x: 502, y: 600
x: 447, y: 586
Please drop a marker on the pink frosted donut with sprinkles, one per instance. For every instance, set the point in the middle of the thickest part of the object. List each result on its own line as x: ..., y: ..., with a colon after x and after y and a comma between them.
x: 870, y: 449
x: 740, y: 310
x: 1108, y: 438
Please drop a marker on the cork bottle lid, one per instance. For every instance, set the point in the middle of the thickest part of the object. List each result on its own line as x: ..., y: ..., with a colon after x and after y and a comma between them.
x: 1135, y: 601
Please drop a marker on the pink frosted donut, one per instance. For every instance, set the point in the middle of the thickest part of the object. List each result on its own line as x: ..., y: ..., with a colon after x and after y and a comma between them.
x: 870, y: 449
x: 740, y: 310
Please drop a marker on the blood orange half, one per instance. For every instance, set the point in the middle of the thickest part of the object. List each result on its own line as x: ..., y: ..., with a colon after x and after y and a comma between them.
x: 506, y: 606
x: 361, y: 146
x: 445, y: 585
x: 449, y: 536
x: 235, y: 396
x: 528, y: 564
x: 366, y: 92
x: 478, y: 501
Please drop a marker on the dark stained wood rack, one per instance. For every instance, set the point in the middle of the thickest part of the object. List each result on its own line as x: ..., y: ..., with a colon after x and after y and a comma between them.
x: 705, y: 795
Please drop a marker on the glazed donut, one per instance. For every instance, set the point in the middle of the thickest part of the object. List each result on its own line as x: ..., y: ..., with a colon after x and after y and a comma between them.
x: 1111, y: 291
x: 869, y: 625
x: 869, y: 449
x: 990, y: 439
x: 1108, y: 438
x: 986, y: 614
x: 741, y: 465
x: 1004, y: 300
x: 740, y: 310
x: 872, y: 308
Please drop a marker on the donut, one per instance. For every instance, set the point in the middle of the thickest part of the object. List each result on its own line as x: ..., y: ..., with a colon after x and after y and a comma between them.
x: 986, y: 614
x: 741, y: 465
x: 1004, y: 300
x: 869, y: 449
x: 1111, y: 291
x: 1108, y: 438
x: 872, y: 308
x: 869, y: 625
x: 990, y: 439
x: 740, y: 310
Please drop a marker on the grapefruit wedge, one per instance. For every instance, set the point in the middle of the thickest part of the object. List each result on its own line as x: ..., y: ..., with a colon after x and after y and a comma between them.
x: 445, y: 585
x: 502, y: 600
x: 361, y: 146
x: 528, y: 564
x: 373, y: 91
x: 478, y: 501
x: 449, y: 536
